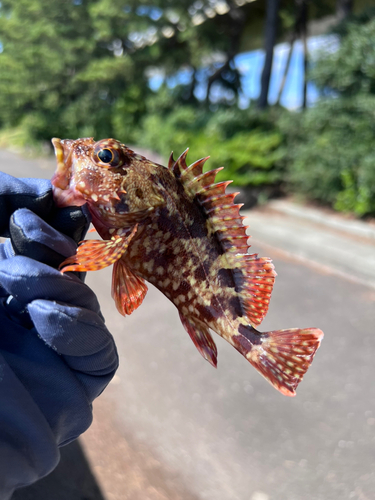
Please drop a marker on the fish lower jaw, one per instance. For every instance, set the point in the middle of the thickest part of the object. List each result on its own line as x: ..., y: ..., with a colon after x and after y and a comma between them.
x: 67, y: 197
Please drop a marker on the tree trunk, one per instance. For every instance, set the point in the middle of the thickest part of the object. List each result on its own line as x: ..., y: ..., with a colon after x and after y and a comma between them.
x: 286, y: 69
x: 270, y: 38
x: 343, y: 8
x: 236, y: 29
x: 304, y: 15
x: 215, y: 76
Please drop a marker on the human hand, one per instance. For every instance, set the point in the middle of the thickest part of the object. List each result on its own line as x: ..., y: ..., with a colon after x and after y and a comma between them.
x: 56, y: 355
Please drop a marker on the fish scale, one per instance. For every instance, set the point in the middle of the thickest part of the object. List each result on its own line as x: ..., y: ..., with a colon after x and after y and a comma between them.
x: 179, y: 230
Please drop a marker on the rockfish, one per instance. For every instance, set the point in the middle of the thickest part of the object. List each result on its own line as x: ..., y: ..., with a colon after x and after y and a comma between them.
x: 179, y: 230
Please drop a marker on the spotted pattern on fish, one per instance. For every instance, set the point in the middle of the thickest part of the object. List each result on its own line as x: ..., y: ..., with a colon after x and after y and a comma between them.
x: 176, y: 228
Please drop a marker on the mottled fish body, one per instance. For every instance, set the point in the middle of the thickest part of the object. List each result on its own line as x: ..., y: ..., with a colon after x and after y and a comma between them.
x: 175, y: 228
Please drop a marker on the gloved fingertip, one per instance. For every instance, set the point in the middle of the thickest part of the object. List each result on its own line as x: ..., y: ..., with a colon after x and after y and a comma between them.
x: 72, y: 221
x: 70, y: 330
x: 28, y: 231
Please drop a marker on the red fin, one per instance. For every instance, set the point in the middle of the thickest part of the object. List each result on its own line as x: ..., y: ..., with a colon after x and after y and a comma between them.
x: 189, y: 173
x: 202, y: 340
x: 254, y: 277
x: 128, y: 289
x: 223, y: 215
x: 283, y: 356
x: 171, y: 161
x: 93, y: 255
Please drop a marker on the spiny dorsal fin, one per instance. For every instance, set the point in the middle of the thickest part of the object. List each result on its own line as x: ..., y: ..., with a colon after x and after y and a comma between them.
x: 254, y: 276
x: 187, y: 173
x: 223, y: 215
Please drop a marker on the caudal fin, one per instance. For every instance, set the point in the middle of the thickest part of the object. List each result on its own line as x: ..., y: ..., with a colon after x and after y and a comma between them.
x: 283, y: 356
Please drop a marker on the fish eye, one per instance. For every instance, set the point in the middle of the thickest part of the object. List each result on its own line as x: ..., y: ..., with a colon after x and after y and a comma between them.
x: 106, y: 155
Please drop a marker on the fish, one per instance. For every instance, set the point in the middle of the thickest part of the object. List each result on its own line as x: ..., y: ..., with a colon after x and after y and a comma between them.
x: 176, y: 228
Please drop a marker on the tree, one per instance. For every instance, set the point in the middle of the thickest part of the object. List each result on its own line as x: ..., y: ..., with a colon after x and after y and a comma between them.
x: 331, y: 153
x: 61, y: 72
x: 80, y: 67
x: 270, y: 39
x: 344, y: 8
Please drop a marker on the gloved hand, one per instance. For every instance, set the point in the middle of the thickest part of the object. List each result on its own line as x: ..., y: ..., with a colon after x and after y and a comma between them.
x: 56, y: 355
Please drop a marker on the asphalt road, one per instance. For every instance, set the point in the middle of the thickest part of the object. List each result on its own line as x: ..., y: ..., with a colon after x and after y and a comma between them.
x: 171, y: 427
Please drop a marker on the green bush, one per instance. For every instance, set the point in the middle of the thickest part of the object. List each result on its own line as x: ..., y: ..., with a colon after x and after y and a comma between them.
x: 331, y: 154
x: 247, y: 144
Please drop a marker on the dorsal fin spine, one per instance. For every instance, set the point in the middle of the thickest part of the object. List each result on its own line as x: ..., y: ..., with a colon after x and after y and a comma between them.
x: 195, y: 168
x: 222, y: 208
x: 171, y: 161
x: 217, y: 201
x: 180, y: 163
x: 218, y: 188
x: 205, y: 179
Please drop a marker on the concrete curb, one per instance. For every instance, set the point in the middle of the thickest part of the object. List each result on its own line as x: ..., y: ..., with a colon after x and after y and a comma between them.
x: 334, y: 221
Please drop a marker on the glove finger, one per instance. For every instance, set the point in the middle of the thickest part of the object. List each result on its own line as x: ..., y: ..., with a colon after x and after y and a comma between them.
x: 81, y: 337
x: 28, y: 280
x: 33, y: 237
x: 72, y: 221
x: 4, y: 255
x: 35, y: 194
x: 70, y: 330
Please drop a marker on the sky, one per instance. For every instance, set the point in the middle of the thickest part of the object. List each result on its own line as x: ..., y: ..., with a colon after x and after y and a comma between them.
x: 250, y: 66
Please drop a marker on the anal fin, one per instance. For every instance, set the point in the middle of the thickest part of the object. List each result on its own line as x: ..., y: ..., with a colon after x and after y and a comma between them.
x: 203, y: 341
x: 128, y: 289
x: 93, y: 255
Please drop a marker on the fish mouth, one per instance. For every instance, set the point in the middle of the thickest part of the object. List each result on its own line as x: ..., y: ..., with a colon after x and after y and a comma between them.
x: 62, y: 175
x: 64, y: 194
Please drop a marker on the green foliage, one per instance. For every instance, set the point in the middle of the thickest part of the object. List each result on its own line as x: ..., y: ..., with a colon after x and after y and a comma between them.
x: 63, y: 70
x: 350, y: 70
x: 331, y: 154
x: 78, y: 67
x: 247, y: 144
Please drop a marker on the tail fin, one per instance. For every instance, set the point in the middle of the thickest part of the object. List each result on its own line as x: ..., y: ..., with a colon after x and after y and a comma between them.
x: 281, y: 356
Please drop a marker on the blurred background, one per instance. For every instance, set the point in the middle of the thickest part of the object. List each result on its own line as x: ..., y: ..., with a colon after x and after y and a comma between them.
x: 281, y: 93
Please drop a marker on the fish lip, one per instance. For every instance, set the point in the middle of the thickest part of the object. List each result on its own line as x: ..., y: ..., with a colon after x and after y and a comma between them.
x: 65, y: 194
x: 61, y: 177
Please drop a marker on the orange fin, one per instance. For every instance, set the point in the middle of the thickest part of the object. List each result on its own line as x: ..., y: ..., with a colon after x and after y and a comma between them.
x: 202, y: 339
x: 223, y: 214
x: 281, y: 356
x: 254, y: 278
x: 128, y: 289
x: 93, y: 255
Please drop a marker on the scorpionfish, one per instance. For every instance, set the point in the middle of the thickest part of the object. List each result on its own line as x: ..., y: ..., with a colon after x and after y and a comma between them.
x: 179, y: 230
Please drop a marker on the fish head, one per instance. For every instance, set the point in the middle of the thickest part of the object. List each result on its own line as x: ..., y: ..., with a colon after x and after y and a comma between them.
x: 114, y: 181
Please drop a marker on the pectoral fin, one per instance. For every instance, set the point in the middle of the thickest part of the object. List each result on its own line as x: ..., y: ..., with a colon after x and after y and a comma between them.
x: 93, y: 255
x: 202, y: 339
x: 128, y: 289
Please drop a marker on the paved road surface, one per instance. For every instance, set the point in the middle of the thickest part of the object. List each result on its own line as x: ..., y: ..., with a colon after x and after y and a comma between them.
x: 171, y: 427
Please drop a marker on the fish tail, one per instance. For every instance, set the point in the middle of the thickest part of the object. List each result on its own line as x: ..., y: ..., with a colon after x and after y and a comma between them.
x: 281, y: 356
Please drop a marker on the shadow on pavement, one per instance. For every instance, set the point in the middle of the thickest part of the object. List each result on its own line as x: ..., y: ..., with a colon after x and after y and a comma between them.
x: 71, y: 480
